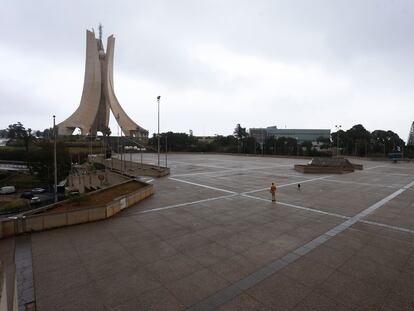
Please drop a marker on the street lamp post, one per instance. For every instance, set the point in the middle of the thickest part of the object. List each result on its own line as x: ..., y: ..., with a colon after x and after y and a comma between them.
x: 158, y: 100
x: 338, y: 127
x: 166, y: 151
x: 297, y: 146
x: 54, y: 157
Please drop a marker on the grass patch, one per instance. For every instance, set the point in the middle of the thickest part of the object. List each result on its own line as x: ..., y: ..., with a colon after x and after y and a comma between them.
x: 13, y: 205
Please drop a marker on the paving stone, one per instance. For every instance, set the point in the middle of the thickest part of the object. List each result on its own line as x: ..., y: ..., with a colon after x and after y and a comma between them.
x: 288, y: 242
x: 240, y: 243
x: 404, y: 285
x: 171, y: 231
x: 392, y: 244
x: 135, y: 240
x: 396, y: 302
x: 279, y: 292
x: 149, y: 253
x: 264, y: 253
x: 107, y: 266
x: 307, y: 272
x: 59, y: 259
x: 57, y: 281
x: 371, y: 272
x: 410, y: 263
x: 318, y: 302
x: 352, y: 292
x: 119, y: 288
x: 84, y: 297
x: 129, y: 257
x: 392, y: 233
x: 243, y: 302
x: 159, y: 299
x: 360, y: 232
x: 215, y: 233
x: 330, y: 257
x: 209, y: 254
x: 95, y: 250
x: 173, y: 268
x: 196, y: 286
x: 188, y: 241
x: 234, y: 268
x: 343, y: 243
x: 395, y: 259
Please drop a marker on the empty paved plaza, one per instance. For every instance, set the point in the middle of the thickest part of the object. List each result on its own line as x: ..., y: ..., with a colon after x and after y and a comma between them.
x: 211, y: 239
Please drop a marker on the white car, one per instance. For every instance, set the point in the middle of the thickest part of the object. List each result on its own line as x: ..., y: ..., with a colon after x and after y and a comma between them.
x: 35, y: 200
x: 38, y: 190
x: 7, y: 189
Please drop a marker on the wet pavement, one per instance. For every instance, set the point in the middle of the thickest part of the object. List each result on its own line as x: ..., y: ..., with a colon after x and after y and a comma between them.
x: 211, y: 239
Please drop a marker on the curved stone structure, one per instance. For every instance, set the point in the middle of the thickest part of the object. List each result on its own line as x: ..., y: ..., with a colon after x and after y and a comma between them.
x: 410, y: 140
x: 98, y: 95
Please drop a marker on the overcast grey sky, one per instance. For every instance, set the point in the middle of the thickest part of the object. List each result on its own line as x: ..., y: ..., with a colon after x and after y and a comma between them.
x: 299, y: 64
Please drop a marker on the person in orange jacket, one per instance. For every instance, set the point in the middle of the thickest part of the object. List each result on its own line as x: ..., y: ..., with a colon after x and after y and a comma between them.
x: 273, y: 192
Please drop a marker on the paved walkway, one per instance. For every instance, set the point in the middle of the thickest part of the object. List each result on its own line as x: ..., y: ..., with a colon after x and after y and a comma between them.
x: 210, y: 239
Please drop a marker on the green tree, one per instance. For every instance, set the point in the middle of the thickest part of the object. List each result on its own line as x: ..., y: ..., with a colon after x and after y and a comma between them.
x: 41, y: 161
x: 240, y: 133
x: 17, y: 131
x: 3, y: 133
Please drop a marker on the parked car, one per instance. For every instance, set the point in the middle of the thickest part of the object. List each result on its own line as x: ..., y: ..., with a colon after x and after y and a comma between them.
x: 38, y: 190
x: 7, y: 189
x: 26, y: 195
x: 35, y: 200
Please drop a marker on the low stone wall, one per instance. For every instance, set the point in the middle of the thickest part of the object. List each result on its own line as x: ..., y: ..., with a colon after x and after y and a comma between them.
x: 45, y: 218
x: 322, y: 169
x: 132, y: 169
x: 8, y: 279
x: 357, y: 166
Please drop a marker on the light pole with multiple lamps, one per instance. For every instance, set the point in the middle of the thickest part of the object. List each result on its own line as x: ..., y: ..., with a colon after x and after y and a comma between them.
x: 158, y: 100
x: 338, y: 128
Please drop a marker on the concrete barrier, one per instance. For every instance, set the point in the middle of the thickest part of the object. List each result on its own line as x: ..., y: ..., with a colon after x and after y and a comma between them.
x: 45, y: 218
x: 321, y: 170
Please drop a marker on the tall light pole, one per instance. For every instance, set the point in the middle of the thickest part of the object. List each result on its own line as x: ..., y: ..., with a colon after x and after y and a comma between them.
x: 338, y: 127
x: 54, y: 156
x: 297, y: 146
x: 158, y: 100
x: 166, y: 150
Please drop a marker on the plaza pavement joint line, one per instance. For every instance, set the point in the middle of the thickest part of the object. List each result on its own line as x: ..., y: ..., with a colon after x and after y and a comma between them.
x: 387, y: 226
x: 298, y: 207
x: 200, y: 185
x: 396, y: 228
x: 364, y: 184
x: 232, y: 194
x: 234, y: 170
x: 201, y: 165
x: 289, y: 184
x: 187, y: 203
x: 223, y: 296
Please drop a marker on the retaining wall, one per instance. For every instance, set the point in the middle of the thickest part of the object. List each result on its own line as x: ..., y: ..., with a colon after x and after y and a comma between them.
x: 322, y: 169
x: 45, y: 218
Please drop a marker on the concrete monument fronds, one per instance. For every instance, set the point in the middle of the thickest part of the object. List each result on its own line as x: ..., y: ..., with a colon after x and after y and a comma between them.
x: 98, y: 96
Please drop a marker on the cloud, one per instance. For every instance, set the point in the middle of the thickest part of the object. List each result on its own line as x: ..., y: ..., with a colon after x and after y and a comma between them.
x: 296, y: 63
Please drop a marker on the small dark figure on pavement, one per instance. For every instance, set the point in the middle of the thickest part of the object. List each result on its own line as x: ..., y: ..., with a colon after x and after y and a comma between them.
x: 298, y: 187
x: 273, y: 192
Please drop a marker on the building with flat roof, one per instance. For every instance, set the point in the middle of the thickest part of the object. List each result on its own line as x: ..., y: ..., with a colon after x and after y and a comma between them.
x: 259, y: 134
x: 300, y: 134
